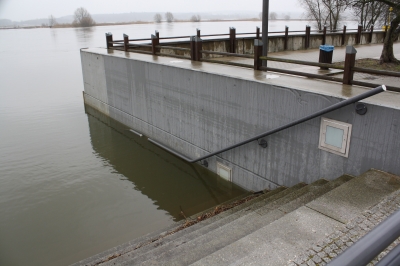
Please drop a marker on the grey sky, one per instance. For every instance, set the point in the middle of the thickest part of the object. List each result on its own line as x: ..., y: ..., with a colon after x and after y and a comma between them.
x: 33, y: 9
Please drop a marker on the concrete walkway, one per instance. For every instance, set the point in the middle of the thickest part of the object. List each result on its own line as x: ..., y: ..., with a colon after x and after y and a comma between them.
x: 363, y: 51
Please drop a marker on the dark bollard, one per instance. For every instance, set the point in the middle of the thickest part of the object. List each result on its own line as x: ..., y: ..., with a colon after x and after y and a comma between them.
x: 324, y: 36
x: 344, y: 34
x: 308, y: 33
x: 192, y: 48
x: 286, y: 37
x: 198, y: 33
x: 126, y: 42
x: 109, y: 39
x: 371, y: 33
x: 258, y: 48
x: 157, y: 34
x: 349, y: 63
x: 154, y: 42
x: 358, y: 38
x: 257, y: 33
x: 198, y: 47
x: 232, y: 37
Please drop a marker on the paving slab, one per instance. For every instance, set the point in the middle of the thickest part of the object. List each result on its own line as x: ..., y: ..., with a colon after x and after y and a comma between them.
x: 346, y: 202
x: 276, y: 243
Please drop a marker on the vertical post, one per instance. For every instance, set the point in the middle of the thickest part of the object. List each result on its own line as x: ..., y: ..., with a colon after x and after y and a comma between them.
x: 154, y: 42
x: 324, y: 36
x: 192, y: 48
x: 199, y: 46
x: 265, y: 13
x: 157, y: 34
x: 257, y: 33
x: 258, y: 49
x: 286, y: 37
x: 371, y: 33
x: 232, y: 37
x: 198, y: 32
x: 126, y: 42
x: 308, y: 33
x: 344, y: 34
x: 358, y: 38
x: 349, y: 63
x: 109, y: 40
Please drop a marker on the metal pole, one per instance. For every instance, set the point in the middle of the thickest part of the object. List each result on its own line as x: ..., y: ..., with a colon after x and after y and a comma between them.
x: 265, y: 14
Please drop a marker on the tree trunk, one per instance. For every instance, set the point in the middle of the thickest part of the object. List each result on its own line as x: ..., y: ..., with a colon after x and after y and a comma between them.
x: 387, y: 55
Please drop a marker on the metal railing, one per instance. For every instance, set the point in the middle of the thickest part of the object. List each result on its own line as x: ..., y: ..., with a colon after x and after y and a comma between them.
x: 263, y: 143
x: 372, y: 244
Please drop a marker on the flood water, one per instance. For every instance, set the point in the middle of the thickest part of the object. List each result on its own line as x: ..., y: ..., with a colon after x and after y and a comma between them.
x: 74, y: 183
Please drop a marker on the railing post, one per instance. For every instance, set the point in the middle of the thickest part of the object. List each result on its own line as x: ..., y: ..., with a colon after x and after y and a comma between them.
x: 370, y: 33
x: 358, y: 38
x: 198, y: 32
x: 126, y: 42
x: 258, y: 48
x: 157, y: 34
x: 308, y: 33
x: 286, y: 38
x: 192, y: 48
x: 109, y: 40
x: 344, y: 34
x: 324, y: 36
x: 257, y: 33
x: 198, y: 47
x: 349, y: 63
x: 154, y: 42
x: 232, y: 37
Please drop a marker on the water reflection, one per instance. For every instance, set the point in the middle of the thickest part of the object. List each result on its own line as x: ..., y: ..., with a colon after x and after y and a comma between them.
x: 171, y: 183
x: 84, y: 35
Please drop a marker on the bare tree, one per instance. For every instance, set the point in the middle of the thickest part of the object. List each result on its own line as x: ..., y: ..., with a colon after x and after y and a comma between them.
x: 169, y: 17
x: 82, y: 18
x: 195, y: 18
x: 369, y: 13
x: 287, y: 16
x: 273, y: 15
x: 157, y: 18
x: 52, y: 21
x: 325, y: 12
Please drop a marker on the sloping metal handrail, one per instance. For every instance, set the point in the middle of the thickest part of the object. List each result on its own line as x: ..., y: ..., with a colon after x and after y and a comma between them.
x: 299, y: 121
x: 372, y: 244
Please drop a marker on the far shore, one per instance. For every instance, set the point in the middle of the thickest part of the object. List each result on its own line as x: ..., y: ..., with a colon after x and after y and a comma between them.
x: 70, y: 25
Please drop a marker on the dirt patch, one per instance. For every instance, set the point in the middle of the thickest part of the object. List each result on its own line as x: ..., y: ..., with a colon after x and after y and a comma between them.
x: 374, y: 64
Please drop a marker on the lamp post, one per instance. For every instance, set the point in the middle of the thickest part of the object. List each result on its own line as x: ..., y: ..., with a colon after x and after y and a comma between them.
x: 265, y: 13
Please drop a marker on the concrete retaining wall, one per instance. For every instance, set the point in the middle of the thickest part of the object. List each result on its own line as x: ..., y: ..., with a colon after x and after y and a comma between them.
x: 196, y: 112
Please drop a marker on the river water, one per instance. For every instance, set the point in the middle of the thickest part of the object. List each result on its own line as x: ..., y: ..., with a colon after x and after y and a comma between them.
x: 73, y: 182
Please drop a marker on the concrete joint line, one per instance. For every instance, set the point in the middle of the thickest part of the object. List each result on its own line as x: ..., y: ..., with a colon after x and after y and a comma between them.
x: 324, y: 215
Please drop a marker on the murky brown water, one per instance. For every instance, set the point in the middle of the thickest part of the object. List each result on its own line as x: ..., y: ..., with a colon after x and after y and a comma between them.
x: 74, y: 183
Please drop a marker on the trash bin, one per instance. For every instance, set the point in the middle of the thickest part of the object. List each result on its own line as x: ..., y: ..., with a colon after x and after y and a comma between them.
x: 325, y: 54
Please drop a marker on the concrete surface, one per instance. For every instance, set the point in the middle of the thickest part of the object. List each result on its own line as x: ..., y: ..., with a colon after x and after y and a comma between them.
x: 198, y: 107
x: 276, y: 243
x: 359, y: 194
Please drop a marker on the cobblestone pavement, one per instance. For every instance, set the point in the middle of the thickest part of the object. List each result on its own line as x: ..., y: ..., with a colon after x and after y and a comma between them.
x: 324, y: 251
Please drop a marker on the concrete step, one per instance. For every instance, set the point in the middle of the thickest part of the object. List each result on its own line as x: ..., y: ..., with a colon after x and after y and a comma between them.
x: 200, y: 228
x: 197, y: 229
x: 278, y: 242
x: 299, y: 199
x: 217, y: 239
x: 361, y: 193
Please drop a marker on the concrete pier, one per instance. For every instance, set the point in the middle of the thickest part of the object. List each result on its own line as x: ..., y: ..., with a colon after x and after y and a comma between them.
x: 197, y: 108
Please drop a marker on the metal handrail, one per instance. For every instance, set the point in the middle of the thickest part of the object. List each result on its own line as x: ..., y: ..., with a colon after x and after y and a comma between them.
x: 294, y: 123
x: 372, y: 244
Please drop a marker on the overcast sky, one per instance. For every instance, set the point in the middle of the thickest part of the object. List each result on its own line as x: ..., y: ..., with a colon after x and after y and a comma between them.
x: 33, y: 9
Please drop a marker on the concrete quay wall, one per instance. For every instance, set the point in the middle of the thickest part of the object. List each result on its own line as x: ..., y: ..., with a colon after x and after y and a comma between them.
x: 196, y: 109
